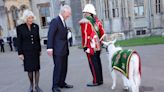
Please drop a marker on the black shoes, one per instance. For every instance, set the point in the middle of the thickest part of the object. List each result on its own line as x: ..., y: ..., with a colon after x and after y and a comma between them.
x: 30, y: 89
x: 91, y: 84
x: 100, y: 83
x: 66, y: 86
x: 56, y: 89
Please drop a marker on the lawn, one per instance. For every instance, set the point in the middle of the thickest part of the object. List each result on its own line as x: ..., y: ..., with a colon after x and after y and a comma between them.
x: 153, y: 40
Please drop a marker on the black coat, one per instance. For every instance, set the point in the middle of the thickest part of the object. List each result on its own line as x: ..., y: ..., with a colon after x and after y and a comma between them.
x: 57, y: 37
x: 28, y: 41
x: 1, y: 42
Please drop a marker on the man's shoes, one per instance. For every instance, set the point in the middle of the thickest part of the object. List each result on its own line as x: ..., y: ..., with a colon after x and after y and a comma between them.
x: 66, y: 86
x: 91, y: 84
x: 56, y: 89
x: 100, y: 83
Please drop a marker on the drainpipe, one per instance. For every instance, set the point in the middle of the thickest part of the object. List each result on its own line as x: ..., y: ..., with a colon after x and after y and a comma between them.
x: 150, y: 16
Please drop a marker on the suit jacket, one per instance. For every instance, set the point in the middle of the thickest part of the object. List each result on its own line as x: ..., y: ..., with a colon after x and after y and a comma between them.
x: 28, y: 41
x: 57, y: 37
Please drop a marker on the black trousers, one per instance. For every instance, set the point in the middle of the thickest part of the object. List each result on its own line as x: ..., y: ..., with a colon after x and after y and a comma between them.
x: 95, y: 67
x: 60, y: 70
x: 11, y: 47
x: 70, y: 41
x: 2, y: 48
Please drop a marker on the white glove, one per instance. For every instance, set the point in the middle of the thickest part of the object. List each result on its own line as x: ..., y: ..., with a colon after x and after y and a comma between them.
x: 88, y: 50
x: 21, y: 57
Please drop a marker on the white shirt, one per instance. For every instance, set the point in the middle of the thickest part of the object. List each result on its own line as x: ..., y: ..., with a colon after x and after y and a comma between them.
x: 62, y: 19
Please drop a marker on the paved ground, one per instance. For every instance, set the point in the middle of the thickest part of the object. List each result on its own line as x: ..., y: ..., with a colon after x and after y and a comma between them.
x: 14, y: 79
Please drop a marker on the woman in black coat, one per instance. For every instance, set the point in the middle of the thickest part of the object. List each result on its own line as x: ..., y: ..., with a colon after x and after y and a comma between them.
x: 29, y: 48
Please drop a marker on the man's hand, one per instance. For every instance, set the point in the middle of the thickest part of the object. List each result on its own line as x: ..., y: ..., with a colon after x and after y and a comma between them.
x: 21, y: 57
x: 50, y: 53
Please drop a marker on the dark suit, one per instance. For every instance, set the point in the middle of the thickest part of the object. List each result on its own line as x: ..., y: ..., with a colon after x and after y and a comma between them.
x: 57, y: 40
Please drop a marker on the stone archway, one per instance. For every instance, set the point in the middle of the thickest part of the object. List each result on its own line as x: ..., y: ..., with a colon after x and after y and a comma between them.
x: 14, y: 12
x: 22, y: 8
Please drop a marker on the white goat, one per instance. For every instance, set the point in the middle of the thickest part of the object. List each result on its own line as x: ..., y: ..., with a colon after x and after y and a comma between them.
x: 132, y: 80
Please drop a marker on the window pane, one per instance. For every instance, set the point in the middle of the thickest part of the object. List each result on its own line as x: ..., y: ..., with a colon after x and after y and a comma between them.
x: 117, y: 13
x: 136, y: 11
x: 143, y: 32
x: 106, y: 9
x: 44, y: 15
x: 113, y: 13
x: 156, y: 1
x: 159, y: 8
x: 138, y: 32
x: 141, y: 10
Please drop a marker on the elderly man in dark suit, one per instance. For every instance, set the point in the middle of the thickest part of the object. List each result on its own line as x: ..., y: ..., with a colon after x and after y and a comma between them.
x: 57, y: 46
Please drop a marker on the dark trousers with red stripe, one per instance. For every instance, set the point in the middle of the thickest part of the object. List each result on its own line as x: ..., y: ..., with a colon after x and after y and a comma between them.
x: 95, y: 67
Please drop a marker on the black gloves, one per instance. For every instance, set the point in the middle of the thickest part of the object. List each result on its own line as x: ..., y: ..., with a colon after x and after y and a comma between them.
x: 85, y: 48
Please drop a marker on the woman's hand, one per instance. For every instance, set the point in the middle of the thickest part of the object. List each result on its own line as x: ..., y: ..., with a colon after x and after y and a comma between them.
x: 21, y: 57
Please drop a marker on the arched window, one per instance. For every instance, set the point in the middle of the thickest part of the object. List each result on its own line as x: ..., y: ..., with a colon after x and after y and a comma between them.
x: 115, y: 8
x: 106, y: 9
x: 44, y: 13
x: 23, y: 7
x: 158, y: 6
x: 14, y: 13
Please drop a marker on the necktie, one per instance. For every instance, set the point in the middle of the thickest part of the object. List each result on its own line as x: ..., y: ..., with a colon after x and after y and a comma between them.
x: 65, y: 24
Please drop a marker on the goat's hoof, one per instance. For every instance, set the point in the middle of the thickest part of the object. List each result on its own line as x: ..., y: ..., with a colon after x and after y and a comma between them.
x: 113, y: 87
x: 126, y: 89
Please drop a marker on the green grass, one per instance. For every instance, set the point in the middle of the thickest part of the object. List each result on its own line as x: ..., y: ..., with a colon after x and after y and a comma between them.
x: 153, y: 40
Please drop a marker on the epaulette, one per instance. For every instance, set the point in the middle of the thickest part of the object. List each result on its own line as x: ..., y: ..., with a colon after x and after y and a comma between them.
x: 84, y: 20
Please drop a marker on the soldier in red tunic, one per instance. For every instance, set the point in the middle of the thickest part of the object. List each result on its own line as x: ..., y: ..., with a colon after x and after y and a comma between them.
x: 92, y: 34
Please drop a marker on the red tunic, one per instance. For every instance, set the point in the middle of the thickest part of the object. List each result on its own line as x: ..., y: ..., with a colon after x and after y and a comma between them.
x: 90, y: 38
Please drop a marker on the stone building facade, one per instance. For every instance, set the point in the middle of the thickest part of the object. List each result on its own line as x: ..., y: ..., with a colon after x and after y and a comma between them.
x: 132, y: 17
x: 13, y: 11
x: 46, y: 10
x: 3, y: 19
